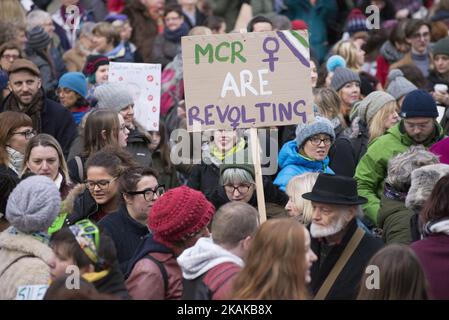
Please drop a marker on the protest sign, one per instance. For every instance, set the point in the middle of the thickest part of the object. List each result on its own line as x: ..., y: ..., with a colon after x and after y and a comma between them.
x: 31, y: 292
x: 247, y: 80
x: 143, y: 82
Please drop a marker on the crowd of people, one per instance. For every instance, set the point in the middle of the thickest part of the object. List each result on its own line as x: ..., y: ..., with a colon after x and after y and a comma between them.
x: 84, y: 186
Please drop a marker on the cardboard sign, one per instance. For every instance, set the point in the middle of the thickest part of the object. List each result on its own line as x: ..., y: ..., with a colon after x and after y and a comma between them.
x: 247, y: 80
x: 143, y: 81
x: 31, y: 292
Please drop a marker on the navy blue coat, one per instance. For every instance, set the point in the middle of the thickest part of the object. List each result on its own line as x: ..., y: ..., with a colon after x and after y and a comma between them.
x: 126, y: 233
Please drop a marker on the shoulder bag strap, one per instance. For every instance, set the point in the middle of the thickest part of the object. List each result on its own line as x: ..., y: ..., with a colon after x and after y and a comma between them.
x: 79, y: 164
x: 341, y: 262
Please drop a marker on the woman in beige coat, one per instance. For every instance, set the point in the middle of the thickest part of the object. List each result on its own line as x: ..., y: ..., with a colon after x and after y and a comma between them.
x: 24, y: 250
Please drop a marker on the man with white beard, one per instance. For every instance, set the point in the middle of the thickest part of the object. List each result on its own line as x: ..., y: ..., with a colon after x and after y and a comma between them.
x: 343, y: 248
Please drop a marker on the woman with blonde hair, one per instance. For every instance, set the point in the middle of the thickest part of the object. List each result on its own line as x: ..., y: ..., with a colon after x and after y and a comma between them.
x: 371, y: 118
x: 286, y: 272
x: 12, y: 11
x: 44, y: 156
x: 297, y: 206
x: 352, y: 53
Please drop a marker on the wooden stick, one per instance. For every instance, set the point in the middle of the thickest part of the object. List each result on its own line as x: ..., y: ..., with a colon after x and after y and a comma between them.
x: 255, y: 148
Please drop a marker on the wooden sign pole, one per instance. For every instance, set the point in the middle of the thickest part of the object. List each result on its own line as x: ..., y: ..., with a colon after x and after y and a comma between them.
x: 255, y: 149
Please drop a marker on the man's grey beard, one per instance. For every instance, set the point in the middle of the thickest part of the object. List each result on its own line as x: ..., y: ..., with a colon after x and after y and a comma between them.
x: 320, y: 232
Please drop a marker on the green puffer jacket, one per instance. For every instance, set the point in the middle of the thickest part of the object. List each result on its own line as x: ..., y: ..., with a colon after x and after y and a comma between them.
x: 394, y: 220
x: 372, y: 168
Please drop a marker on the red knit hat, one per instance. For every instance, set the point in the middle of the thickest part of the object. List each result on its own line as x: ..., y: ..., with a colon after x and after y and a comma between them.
x: 179, y: 213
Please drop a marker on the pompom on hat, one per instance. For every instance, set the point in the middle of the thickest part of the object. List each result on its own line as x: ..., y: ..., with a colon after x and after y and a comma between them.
x: 335, y: 62
x: 178, y: 215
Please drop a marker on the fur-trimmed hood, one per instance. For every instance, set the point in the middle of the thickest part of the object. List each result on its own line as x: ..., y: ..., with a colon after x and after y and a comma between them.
x: 423, y: 181
x: 69, y: 202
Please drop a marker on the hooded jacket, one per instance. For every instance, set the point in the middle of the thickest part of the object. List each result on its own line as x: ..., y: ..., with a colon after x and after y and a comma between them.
x: 293, y: 164
x: 372, y: 168
x: 23, y: 261
x: 196, y: 262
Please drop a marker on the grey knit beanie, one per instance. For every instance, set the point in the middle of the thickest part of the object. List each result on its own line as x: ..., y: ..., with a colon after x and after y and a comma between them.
x: 113, y: 96
x: 398, y: 85
x: 37, y: 38
x: 342, y: 76
x: 34, y: 204
x: 370, y: 105
x: 306, y: 130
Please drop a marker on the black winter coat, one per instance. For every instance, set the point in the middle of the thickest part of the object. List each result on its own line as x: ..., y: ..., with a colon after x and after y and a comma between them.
x: 346, y: 285
x: 138, y: 147
x: 205, y: 178
x: 342, y: 159
x: 58, y: 122
x: 126, y: 233
x: 113, y: 283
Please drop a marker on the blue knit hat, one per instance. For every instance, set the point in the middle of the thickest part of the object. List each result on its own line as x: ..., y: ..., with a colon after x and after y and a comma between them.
x: 419, y: 103
x: 306, y: 130
x: 75, y: 81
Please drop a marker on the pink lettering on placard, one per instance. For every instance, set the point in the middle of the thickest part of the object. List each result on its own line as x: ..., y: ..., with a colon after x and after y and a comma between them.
x: 150, y: 78
x: 120, y: 78
x: 154, y: 109
x: 150, y: 98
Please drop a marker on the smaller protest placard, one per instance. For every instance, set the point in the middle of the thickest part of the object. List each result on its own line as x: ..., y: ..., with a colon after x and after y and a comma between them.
x: 143, y: 81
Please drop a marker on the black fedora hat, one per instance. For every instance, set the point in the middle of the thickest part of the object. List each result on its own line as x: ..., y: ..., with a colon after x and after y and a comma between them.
x: 334, y: 189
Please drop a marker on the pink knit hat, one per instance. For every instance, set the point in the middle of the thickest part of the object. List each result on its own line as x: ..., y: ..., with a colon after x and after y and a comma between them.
x: 178, y: 214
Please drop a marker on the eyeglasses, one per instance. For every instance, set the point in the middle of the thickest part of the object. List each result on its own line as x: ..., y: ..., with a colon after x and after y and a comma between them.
x: 65, y: 91
x: 421, y: 35
x: 28, y: 134
x: 10, y: 56
x: 149, y: 193
x: 421, y: 126
x: 101, y: 184
x: 242, y: 188
x: 316, y: 141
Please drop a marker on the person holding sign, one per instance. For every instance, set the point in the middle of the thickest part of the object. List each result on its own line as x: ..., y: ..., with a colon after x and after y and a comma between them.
x: 308, y: 152
x: 224, y: 145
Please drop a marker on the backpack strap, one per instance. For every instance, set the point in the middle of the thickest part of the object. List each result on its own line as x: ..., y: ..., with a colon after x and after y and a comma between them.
x: 14, y: 261
x: 79, y: 164
x: 341, y: 262
x: 162, y: 269
x: 218, y: 276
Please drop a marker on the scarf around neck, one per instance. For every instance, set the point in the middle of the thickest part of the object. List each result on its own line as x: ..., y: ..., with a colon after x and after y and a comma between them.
x: 175, y: 36
x: 221, y: 156
x: 391, y: 193
x: 33, y: 110
x: 15, y: 159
